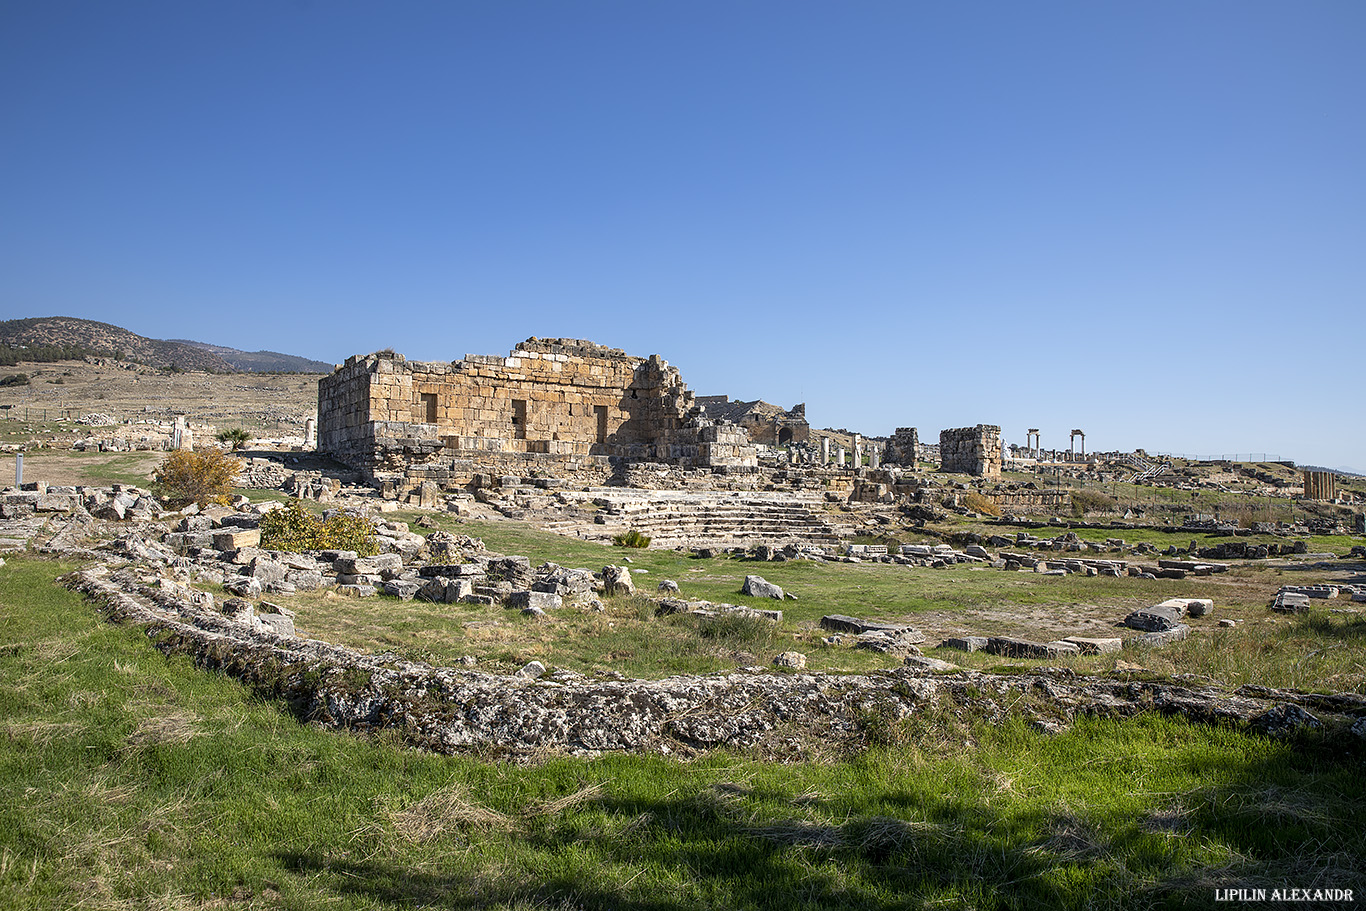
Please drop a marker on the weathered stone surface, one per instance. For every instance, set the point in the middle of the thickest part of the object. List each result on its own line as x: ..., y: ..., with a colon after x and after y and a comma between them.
x: 243, y: 586
x: 1008, y: 647
x: 616, y: 580
x: 838, y: 623
x: 668, y: 585
x: 1283, y: 720
x: 965, y: 643
x: 1154, y: 619
x: 891, y: 642
x: 233, y: 540
x: 929, y: 664
x: 758, y: 587
x: 1090, y: 646
x: 670, y: 606
x: 1290, y: 602
x: 279, y: 624
x: 532, y: 670
x: 790, y: 659
x: 456, y: 709
x: 403, y: 589
x: 542, y: 601
x: 357, y: 591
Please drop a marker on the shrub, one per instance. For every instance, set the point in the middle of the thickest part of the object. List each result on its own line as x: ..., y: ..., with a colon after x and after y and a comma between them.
x: 631, y: 538
x: 196, y: 477
x: 294, y: 528
x: 977, y: 503
x: 15, y: 379
x: 1084, y: 501
x: 236, y: 437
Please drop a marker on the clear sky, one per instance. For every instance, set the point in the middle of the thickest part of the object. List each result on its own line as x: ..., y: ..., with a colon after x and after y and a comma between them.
x: 1145, y: 219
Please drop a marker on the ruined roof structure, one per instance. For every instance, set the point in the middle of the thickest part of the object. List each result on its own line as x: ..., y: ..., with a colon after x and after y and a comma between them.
x: 561, y: 405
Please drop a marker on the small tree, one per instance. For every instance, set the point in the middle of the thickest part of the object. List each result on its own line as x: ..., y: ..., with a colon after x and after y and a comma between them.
x: 205, y: 478
x: 236, y: 437
x: 15, y: 379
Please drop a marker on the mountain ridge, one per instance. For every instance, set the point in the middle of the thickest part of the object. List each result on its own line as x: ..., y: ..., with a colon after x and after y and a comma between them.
x: 108, y: 340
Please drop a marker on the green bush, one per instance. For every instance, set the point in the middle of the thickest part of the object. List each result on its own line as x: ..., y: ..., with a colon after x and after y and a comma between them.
x: 15, y: 379
x: 631, y: 538
x: 294, y: 528
x: 186, y: 477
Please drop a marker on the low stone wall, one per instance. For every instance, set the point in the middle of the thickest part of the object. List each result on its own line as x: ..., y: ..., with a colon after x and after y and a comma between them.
x: 449, y: 710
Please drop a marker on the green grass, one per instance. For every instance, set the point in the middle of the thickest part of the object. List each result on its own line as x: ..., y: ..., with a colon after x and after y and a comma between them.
x: 626, y: 637
x: 132, y: 780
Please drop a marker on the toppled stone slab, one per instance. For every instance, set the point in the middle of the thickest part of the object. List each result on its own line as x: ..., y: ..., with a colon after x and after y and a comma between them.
x: 898, y: 642
x: 1095, y: 646
x: 838, y: 623
x: 528, y: 600
x: 1288, y: 602
x: 921, y: 662
x: 1154, y: 619
x: 1008, y: 647
x: 965, y: 643
x: 759, y: 587
x: 795, y: 660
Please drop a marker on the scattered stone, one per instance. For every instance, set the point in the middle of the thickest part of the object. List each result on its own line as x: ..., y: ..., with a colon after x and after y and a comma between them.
x: 357, y: 591
x: 758, y: 587
x: 531, y: 670
x: 1090, y: 646
x: 617, y: 581
x: 898, y: 642
x: 538, y: 601
x: 1154, y: 619
x: 1290, y: 603
x: 403, y: 589
x: 1008, y: 647
x: 668, y: 585
x: 279, y: 624
x: 790, y: 659
x: 1284, y: 719
x: 1227, y: 623
x: 965, y: 643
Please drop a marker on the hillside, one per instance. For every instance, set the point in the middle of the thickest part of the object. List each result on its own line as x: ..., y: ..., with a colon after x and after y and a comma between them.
x: 261, y: 361
x: 70, y: 334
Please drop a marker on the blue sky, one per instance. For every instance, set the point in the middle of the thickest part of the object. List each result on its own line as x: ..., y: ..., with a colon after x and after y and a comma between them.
x: 1146, y: 220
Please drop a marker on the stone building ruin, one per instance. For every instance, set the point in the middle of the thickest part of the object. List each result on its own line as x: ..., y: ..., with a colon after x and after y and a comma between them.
x: 971, y: 450
x: 1320, y: 485
x: 904, y: 448
x: 558, y: 406
x: 769, y: 425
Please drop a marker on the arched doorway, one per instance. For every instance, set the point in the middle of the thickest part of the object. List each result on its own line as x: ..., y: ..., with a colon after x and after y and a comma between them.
x: 784, y: 436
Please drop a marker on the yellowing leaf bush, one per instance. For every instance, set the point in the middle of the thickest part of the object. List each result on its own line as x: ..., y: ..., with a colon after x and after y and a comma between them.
x: 295, y: 529
x: 205, y: 478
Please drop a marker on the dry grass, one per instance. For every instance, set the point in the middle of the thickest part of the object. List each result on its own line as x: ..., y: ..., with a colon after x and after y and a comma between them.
x: 444, y: 812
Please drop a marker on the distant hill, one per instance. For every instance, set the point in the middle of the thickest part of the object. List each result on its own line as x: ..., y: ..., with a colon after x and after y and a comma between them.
x: 48, y: 337
x: 262, y: 361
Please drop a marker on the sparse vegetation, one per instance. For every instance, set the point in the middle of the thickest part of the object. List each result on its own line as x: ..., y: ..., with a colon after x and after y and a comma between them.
x: 234, y: 437
x: 978, y: 503
x: 196, y: 477
x: 15, y: 379
x: 294, y: 528
x: 1084, y: 501
x: 631, y: 538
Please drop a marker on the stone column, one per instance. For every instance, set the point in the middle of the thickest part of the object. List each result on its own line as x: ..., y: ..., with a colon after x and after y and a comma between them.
x: 858, y: 452
x: 825, y: 451
x: 873, y: 456
x: 839, y: 457
x: 310, y: 433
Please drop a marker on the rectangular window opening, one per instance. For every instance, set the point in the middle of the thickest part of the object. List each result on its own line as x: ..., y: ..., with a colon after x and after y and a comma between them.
x: 600, y: 412
x: 519, y: 419
x: 427, y: 407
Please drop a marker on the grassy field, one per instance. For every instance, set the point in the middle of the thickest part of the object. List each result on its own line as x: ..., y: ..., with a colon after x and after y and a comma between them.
x: 129, y: 780
x: 1321, y: 651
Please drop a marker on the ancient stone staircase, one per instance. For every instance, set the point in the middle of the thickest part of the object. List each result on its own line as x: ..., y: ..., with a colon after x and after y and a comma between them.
x: 718, y: 518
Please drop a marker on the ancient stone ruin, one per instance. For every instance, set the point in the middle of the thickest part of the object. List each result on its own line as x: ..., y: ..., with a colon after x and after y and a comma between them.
x: 1320, y: 485
x: 971, y: 450
x: 766, y: 424
x: 564, y: 406
x: 904, y: 448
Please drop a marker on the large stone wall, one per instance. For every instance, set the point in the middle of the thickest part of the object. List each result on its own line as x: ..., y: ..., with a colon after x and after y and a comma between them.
x: 971, y: 450
x: 904, y: 448
x: 566, y: 399
x: 1320, y: 485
